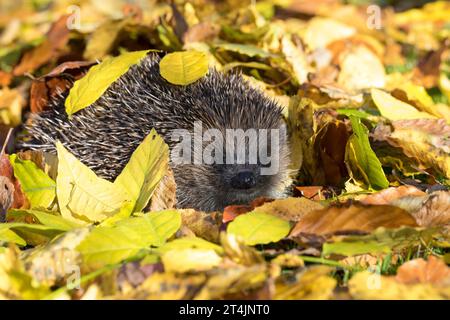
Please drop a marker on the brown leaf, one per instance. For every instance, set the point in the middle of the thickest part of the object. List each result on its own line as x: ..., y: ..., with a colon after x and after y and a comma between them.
x: 50, y: 48
x: 6, y: 196
x: 433, y: 271
x: 435, y: 211
x: 292, y: 209
x: 354, y: 218
x: 164, y: 196
x: 201, y: 32
x: 427, y: 71
x: 310, y: 192
x: 231, y: 212
x: 388, y: 195
x: 204, y: 225
x: 6, y: 170
x: 426, y: 141
x: 5, y: 78
x: 55, y: 82
x: 330, y: 143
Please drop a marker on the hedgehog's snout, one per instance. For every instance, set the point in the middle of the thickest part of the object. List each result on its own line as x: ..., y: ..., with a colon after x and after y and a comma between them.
x: 243, y: 180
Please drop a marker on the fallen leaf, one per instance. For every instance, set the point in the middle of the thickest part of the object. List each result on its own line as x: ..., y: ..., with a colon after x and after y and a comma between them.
x: 424, y: 140
x: 372, y: 285
x: 183, y: 68
x: 291, y: 209
x: 433, y: 271
x: 370, y: 73
x: 258, y: 227
x: 312, y: 284
x: 354, y: 218
x: 49, y: 86
x: 434, y: 211
x: 361, y: 160
x: 387, y: 196
x: 205, y: 225
x: 97, y: 80
x: 77, y: 189
x: 395, y: 109
x: 185, y: 260
x: 145, y: 169
x: 53, y: 46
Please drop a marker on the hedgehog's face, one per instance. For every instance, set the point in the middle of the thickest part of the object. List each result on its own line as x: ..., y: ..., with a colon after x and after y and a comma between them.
x: 258, y: 167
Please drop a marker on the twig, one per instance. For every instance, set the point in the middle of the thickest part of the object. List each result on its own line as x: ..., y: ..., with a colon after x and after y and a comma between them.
x: 8, y: 136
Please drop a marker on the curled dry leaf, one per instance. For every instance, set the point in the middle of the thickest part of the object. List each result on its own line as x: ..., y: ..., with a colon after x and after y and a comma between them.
x: 49, y: 86
x: 372, y: 285
x: 312, y: 284
x: 6, y: 196
x: 390, y: 194
x: 434, y: 211
x: 433, y: 271
x: 330, y: 142
x: 292, y: 209
x: 354, y: 218
x: 426, y: 141
x: 6, y: 170
x: 164, y: 196
x: 203, y: 225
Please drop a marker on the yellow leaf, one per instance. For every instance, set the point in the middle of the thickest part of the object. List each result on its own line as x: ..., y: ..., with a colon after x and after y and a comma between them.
x: 259, y: 228
x: 81, y: 194
x: 37, y: 185
x: 144, y: 170
x: 184, y: 67
x: 395, y: 109
x: 91, y: 87
x: 184, y: 260
x: 372, y: 285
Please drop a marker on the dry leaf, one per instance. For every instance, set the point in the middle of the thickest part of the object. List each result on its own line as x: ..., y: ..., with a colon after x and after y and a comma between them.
x: 433, y: 271
x: 388, y: 195
x: 354, y: 218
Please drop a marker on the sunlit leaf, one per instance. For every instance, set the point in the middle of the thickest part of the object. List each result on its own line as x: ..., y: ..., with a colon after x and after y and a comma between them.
x: 359, y: 155
x: 144, y: 170
x: 259, y: 228
x: 395, y: 109
x: 89, y: 88
x: 39, y: 188
x: 81, y: 194
x: 184, y: 67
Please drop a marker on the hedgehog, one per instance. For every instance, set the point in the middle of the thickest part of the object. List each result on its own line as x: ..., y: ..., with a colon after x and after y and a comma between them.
x: 104, y: 135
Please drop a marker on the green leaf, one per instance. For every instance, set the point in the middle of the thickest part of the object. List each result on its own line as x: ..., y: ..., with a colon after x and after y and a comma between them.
x: 144, y: 170
x: 360, y: 155
x: 245, y: 49
x: 183, y: 67
x: 39, y: 188
x: 380, y: 241
x: 32, y: 234
x: 154, y: 227
x: 92, y: 86
x: 354, y: 112
x: 9, y: 236
x: 82, y: 196
x: 259, y: 228
x: 394, y: 109
x: 45, y: 218
x: 108, y: 245
x: 126, y: 239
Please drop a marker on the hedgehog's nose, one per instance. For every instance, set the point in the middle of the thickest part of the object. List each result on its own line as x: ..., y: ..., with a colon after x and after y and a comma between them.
x: 243, y: 180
